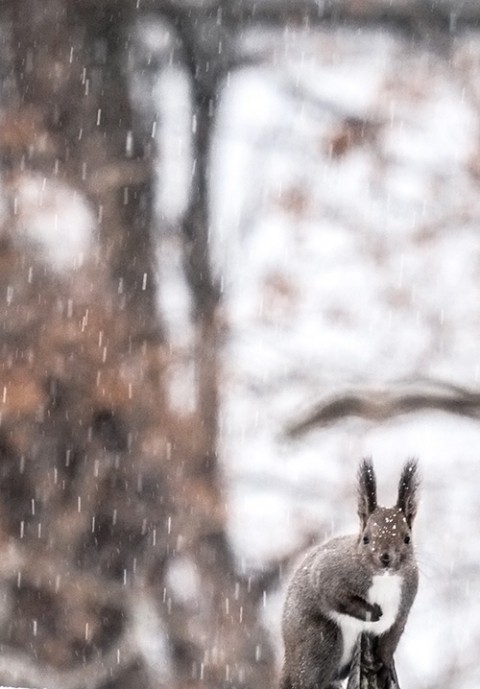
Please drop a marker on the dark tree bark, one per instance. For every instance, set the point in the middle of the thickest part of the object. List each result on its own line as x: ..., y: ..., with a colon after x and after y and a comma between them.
x: 367, y: 672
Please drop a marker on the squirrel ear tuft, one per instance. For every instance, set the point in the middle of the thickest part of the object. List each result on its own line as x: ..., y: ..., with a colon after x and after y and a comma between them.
x: 367, y: 490
x: 407, y: 490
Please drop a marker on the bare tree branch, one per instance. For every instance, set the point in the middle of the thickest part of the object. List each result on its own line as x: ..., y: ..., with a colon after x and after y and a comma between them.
x: 380, y: 404
x: 407, y: 14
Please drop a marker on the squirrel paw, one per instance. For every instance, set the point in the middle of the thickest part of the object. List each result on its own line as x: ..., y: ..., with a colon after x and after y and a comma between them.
x: 375, y: 613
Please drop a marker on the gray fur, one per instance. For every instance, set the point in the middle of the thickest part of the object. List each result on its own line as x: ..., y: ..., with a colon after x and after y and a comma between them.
x: 330, y: 589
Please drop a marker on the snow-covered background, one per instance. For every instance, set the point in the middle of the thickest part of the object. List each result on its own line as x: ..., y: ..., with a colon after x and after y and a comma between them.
x: 348, y: 233
x: 346, y: 203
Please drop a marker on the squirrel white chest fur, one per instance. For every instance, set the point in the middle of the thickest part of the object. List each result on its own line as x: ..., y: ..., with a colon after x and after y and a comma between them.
x: 386, y: 590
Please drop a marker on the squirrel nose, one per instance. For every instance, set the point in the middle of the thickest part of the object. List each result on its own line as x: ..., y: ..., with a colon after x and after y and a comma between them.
x: 385, y: 558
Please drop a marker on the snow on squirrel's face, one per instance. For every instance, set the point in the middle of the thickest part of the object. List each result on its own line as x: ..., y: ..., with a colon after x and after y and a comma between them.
x: 385, y: 544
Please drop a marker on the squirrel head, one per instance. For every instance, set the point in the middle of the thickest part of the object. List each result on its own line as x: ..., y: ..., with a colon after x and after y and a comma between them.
x: 385, y: 540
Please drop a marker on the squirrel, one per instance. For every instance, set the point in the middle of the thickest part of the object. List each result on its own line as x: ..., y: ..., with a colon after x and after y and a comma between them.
x: 351, y: 585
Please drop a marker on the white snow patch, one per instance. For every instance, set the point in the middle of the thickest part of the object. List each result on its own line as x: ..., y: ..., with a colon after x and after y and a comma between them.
x: 56, y: 220
x: 183, y: 580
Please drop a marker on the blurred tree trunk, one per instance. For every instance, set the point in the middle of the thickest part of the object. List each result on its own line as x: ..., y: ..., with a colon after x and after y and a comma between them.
x: 84, y: 432
x: 104, y: 488
x: 70, y: 62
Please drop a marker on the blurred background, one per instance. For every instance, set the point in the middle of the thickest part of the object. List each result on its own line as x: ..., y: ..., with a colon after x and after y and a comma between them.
x: 239, y: 250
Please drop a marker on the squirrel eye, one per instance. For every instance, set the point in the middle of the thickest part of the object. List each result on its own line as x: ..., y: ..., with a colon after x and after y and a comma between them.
x: 406, y: 539
x: 366, y: 540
